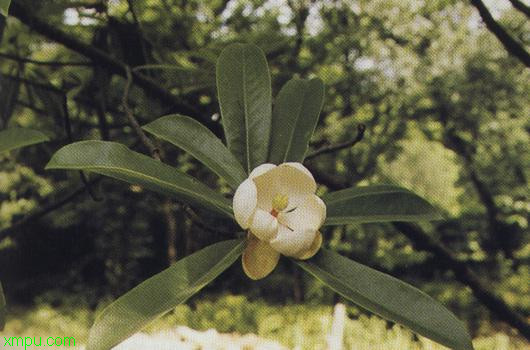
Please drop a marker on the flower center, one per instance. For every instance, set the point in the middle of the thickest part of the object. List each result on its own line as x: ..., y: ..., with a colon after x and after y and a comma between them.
x: 279, y: 203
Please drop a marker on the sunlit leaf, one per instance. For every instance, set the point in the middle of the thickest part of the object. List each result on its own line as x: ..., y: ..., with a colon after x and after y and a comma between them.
x: 201, y: 143
x: 244, y: 89
x: 378, y: 203
x: 389, y: 298
x: 117, y: 161
x: 4, y: 7
x: 294, y: 118
x: 161, y: 293
x: 14, y: 138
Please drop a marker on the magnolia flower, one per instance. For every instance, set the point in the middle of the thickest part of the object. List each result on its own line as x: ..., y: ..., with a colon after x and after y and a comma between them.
x: 279, y: 208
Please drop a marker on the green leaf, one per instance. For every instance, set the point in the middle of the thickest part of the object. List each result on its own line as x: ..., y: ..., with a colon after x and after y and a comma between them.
x: 2, y: 308
x: 294, y: 118
x: 4, y: 7
x: 244, y: 89
x: 201, y: 143
x: 378, y: 203
x: 117, y: 161
x: 389, y: 298
x: 14, y: 138
x: 161, y: 293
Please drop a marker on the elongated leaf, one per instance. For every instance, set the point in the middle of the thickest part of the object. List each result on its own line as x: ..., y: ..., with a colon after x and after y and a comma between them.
x: 117, y: 161
x: 378, y: 203
x: 389, y: 298
x: 4, y: 7
x: 201, y: 143
x: 244, y: 89
x: 294, y: 118
x: 161, y: 293
x: 2, y: 308
x: 14, y: 138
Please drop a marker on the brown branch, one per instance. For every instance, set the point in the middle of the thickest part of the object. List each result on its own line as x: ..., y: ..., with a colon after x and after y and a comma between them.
x: 155, y: 151
x: 519, y: 5
x: 421, y: 240
x: 43, y: 63
x: 361, y: 128
x: 512, y: 46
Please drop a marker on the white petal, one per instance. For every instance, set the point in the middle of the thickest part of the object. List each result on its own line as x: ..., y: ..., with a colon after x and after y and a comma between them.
x: 301, y: 168
x: 310, y: 212
x: 261, y: 169
x: 322, y: 209
x: 291, y: 179
x: 296, y: 178
x: 264, y: 225
x: 292, y: 243
x: 244, y: 203
x: 315, y: 247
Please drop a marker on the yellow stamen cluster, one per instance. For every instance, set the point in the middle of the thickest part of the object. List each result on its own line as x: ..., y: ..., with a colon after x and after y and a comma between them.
x: 280, y: 202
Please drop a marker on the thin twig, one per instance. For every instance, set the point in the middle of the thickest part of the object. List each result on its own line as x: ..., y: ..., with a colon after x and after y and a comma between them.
x: 43, y: 63
x: 70, y: 138
x: 361, y: 128
x: 192, y: 215
x: 155, y: 151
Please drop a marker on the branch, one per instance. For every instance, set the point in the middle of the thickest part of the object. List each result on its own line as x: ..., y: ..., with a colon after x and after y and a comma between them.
x: 115, y: 66
x: 463, y: 273
x: 361, y: 128
x: 521, y: 7
x: 512, y: 46
x: 155, y: 151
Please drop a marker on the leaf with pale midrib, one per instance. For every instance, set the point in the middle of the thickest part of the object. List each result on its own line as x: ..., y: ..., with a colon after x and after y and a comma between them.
x: 244, y: 91
x: 201, y: 143
x: 116, y: 160
x: 389, y: 298
x: 379, y: 203
x: 161, y: 293
x: 294, y: 118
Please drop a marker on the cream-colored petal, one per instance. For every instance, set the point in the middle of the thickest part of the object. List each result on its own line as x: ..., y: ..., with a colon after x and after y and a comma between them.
x: 315, y: 247
x: 268, y: 184
x: 322, y: 209
x: 259, y: 259
x: 292, y: 243
x: 297, y: 173
x: 264, y: 226
x: 245, y: 202
x: 261, y: 169
x: 309, y: 212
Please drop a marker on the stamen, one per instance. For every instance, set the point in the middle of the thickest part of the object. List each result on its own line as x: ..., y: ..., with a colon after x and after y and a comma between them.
x: 280, y: 202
